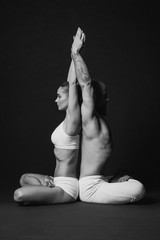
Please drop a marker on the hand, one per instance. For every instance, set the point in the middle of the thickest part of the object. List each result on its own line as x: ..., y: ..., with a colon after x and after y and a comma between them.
x: 49, y: 181
x: 78, y: 41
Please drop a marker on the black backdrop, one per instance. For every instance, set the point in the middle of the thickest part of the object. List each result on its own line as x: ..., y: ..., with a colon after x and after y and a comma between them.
x: 121, y: 49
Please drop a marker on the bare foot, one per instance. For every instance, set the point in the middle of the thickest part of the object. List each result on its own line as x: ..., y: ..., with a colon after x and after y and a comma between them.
x: 120, y: 176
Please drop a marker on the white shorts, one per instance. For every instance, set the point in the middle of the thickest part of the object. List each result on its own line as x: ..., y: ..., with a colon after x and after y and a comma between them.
x: 96, y: 189
x: 68, y: 184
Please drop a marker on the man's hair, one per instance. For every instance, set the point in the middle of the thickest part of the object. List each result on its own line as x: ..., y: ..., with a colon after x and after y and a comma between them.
x: 100, y: 96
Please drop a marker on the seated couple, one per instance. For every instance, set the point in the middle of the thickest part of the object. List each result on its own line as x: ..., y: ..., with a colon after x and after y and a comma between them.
x: 84, y: 102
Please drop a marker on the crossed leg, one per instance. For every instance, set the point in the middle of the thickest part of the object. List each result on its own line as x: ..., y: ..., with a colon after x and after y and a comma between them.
x: 34, y: 190
x: 36, y: 179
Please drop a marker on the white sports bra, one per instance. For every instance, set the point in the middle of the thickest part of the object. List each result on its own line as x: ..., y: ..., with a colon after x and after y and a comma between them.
x: 62, y: 140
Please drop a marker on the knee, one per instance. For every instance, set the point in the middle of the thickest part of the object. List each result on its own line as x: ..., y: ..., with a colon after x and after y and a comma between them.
x: 139, y: 191
x: 18, y: 195
x: 23, y: 179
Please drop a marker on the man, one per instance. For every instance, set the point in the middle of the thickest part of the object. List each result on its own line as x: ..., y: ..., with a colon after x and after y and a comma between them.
x: 96, y: 141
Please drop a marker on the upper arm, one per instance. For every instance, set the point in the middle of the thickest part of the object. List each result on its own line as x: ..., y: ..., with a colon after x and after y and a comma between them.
x: 90, y: 121
x: 88, y: 106
x: 73, y: 103
x: 73, y: 115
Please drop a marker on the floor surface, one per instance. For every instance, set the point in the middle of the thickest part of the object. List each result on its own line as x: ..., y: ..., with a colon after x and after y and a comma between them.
x: 81, y: 221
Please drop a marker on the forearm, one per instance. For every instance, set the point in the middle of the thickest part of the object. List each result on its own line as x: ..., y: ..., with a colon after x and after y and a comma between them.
x: 82, y: 72
x: 73, y: 104
x: 71, y: 73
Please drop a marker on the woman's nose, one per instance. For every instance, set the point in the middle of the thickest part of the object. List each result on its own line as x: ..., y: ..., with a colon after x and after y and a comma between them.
x: 56, y: 100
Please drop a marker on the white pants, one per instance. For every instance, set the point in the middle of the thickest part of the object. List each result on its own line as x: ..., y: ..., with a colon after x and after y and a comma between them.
x: 68, y: 184
x: 95, y: 189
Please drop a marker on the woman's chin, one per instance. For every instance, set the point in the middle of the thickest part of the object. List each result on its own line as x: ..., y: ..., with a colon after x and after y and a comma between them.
x: 61, y: 108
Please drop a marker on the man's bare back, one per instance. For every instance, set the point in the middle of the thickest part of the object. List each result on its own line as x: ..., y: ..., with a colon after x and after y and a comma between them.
x: 96, y: 147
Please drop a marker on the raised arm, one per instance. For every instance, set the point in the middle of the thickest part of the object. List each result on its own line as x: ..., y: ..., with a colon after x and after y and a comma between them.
x: 73, y: 114
x: 73, y: 104
x: 83, y: 77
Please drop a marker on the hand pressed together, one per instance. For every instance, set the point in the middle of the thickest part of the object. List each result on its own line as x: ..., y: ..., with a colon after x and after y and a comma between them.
x: 79, y: 39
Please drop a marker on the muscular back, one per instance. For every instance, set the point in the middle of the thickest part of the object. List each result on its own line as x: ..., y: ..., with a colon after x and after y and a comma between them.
x: 96, y: 146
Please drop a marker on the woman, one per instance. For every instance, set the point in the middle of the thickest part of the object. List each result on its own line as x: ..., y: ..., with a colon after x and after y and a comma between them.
x: 63, y: 187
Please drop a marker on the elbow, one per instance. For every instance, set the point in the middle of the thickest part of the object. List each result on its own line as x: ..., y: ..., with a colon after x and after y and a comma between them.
x: 85, y: 82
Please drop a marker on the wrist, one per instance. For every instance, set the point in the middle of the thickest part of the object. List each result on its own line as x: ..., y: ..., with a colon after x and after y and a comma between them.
x: 73, y: 52
x: 74, y: 49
